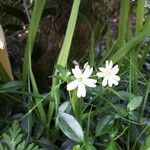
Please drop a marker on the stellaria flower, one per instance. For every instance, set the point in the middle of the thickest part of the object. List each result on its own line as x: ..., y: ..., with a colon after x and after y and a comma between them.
x: 82, y: 80
x: 109, y: 74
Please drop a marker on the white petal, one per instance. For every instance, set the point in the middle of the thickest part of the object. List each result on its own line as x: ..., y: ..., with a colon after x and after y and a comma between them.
x: 77, y: 72
x: 89, y: 82
x: 110, y: 82
x: 110, y: 64
x: 100, y: 74
x: 115, y: 77
x: 81, y: 92
x: 115, y: 82
x: 115, y: 69
x: 85, y: 65
x: 107, y: 63
x: 104, y: 83
x: 102, y: 69
x: 87, y: 72
x: 72, y: 85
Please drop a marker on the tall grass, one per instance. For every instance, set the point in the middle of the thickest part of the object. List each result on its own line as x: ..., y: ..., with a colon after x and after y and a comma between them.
x: 123, y: 22
x: 62, y: 60
x: 134, y: 55
x: 27, y: 65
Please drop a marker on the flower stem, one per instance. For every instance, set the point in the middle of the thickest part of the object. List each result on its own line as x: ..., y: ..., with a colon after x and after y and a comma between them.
x: 76, y: 106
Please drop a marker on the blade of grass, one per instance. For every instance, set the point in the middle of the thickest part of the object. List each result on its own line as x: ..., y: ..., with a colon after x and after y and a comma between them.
x: 27, y: 66
x: 140, y: 15
x: 147, y: 90
x: 135, y: 52
x: 131, y: 43
x: 62, y: 59
x: 146, y: 50
x: 123, y: 20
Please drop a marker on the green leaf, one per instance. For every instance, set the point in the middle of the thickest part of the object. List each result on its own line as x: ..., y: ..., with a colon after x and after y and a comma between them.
x: 104, y: 125
x: 61, y: 69
x: 90, y: 147
x: 134, y: 103
x: 146, y: 146
x: 13, y: 139
x: 76, y: 147
x: 63, y: 107
x: 70, y: 127
x: 1, y: 147
x: 111, y: 145
x: 12, y: 86
x: 130, y: 44
x: 125, y: 95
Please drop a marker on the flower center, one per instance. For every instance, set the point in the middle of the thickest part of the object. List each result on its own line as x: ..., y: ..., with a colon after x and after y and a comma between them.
x: 80, y: 79
x: 108, y: 73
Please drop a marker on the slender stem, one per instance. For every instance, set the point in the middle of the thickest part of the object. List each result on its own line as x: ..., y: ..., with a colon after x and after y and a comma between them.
x: 133, y: 148
x: 76, y: 106
x: 146, y: 98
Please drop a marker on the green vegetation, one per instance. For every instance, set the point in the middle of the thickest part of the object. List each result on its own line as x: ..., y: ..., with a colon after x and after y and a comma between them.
x: 99, y: 105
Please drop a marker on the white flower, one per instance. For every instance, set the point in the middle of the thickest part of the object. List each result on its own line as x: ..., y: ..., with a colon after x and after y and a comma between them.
x: 109, y: 74
x: 82, y: 80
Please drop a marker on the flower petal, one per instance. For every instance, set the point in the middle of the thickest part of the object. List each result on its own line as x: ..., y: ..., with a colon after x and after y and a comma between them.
x: 115, y: 82
x: 85, y: 65
x: 87, y: 72
x: 115, y: 69
x: 110, y: 82
x: 81, y: 92
x: 110, y: 65
x: 77, y: 72
x: 115, y: 77
x: 102, y: 69
x: 107, y: 64
x: 104, y: 82
x: 100, y: 74
x: 72, y: 85
x: 89, y: 82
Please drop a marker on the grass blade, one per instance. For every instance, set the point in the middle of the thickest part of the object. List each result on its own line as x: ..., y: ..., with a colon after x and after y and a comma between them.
x: 130, y: 44
x: 123, y: 20
x: 62, y: 59
x: 27, y: 66
x: 135, y: 52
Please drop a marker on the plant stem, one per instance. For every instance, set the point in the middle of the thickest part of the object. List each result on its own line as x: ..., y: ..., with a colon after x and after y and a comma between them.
x: 145, y: 97
x: 77, y: 106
